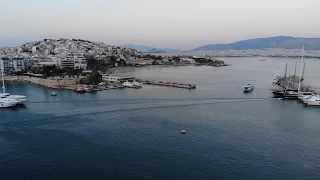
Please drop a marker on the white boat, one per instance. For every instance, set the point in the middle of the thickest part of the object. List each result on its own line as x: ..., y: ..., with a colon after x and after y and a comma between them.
x: 128, y: 84
x: 248, y: 88
x: 137, y: 83
x: 19, y: 98
x: 87, y: 88
x: 312, y: 101
x: 308, y: 99
x: 305, y: 95
x: 53, y: 93
x: 133, y: 84
x: 102, y: 84
x: 7, y: 102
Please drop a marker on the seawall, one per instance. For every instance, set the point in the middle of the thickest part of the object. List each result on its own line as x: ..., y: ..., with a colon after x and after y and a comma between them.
x: 52, y: 83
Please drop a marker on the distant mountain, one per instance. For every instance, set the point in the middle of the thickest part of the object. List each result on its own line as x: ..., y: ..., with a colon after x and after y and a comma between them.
x: 149, y: 49
x: 138, y: 47
x: 286, y: 42
x: 154, y: 50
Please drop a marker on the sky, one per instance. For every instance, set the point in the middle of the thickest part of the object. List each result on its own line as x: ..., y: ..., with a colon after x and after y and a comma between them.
x: 183, y: 24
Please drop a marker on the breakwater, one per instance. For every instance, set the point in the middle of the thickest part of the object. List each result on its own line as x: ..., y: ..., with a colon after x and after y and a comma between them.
x: 169, y: 84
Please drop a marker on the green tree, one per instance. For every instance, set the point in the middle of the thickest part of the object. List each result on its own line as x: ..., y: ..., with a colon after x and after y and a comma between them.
x: 49, y: 70
x: 122, y: 62
x: 113, y: 60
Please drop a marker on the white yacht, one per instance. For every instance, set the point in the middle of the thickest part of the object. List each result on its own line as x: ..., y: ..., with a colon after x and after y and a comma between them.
x: 133, y: 84
x: 137, y: 83
x: 19, y: 98
x: 312, y: 101
x: 249, y: 87
x: 7, y: 102
x: 128, y: 84
x: 305, y: 95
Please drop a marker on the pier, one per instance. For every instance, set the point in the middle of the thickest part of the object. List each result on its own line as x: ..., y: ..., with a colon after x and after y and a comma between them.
x: 169, y: 84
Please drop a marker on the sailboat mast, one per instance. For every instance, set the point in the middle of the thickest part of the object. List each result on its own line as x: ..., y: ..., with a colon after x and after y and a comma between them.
x: 294, y: 76
x: 285, y: 77
x: 300, y: 70
x: 2, y: 69
x: 302, y: 78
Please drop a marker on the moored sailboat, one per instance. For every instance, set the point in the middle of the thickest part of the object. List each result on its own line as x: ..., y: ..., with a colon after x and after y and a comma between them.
x: 19, y: 98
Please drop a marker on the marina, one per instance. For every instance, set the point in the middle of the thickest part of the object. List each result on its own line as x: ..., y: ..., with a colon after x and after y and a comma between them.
x: 140, y: 129
x: 292, y: 86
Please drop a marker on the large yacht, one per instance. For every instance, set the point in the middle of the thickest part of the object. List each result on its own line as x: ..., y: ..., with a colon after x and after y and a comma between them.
x: 7, y: 102
x: 19, y: 98
x: 312, y: 100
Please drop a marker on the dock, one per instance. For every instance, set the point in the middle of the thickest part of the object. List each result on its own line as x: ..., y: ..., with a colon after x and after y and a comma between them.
x: 169, y: 84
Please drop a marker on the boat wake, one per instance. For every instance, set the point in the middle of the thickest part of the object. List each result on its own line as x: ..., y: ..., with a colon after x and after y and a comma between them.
x: 128, y: 100
x: 86, y: 114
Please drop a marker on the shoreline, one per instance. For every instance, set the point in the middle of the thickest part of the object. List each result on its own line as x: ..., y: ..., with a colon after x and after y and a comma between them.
x: 68, y: 84
x: 71, y: 83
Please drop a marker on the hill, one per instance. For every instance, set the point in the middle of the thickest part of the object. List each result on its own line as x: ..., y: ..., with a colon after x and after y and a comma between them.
x: 286, y: 42
x: 51, y: 48
x: 149, y: 49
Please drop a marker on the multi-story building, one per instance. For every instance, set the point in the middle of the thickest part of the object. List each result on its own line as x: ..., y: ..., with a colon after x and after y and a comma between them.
x: 7, y: 64
x: 18, y: 64
x: 80, y: 62
x: 73, y: 61
x: 12, y: 64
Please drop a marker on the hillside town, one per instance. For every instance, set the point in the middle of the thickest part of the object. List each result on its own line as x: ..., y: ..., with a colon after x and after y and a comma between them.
x: 72, y: 56
x: 272, y: 52
x: 63, y: 53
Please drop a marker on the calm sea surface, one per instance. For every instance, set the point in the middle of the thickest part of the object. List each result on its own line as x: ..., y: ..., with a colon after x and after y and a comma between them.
x: 135, y: 133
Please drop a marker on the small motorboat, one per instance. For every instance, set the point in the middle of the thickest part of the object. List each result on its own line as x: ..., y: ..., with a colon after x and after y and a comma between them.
x: 248, y: 88
x: 79, y: 90
x: 183, y: 131
x: 53, y: 93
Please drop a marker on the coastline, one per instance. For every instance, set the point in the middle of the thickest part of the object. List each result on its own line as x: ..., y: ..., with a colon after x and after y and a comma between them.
x: 50, y: 83
x: 71, y: 83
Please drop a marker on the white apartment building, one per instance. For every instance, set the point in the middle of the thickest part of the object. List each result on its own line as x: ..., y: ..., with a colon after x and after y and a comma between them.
x: 14, y: 64
x: 73, y: 61
x: 116, y: 79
